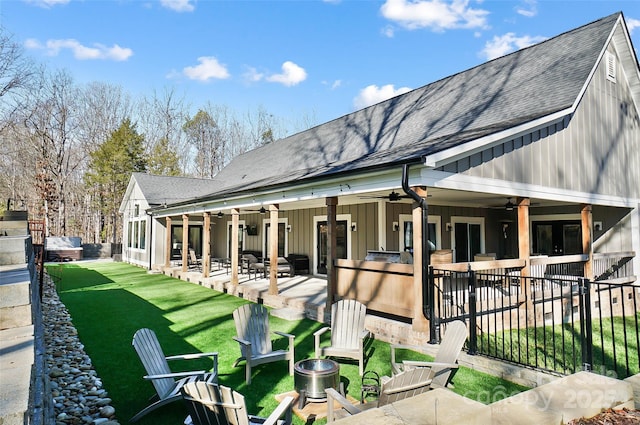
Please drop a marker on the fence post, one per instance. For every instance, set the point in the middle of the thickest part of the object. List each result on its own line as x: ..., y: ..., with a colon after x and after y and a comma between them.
x: 586, y: 329
x: 473, y: 337
x: 429, y: 299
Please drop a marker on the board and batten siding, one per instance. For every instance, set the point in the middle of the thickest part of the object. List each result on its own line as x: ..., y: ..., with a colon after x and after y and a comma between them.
x: 597, y: 150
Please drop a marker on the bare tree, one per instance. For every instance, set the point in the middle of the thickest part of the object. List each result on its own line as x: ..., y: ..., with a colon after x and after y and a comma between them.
x: 52, y: 123
x: 160, y: 117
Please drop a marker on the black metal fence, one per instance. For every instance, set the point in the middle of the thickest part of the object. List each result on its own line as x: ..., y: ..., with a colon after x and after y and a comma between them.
x: 559, y: 322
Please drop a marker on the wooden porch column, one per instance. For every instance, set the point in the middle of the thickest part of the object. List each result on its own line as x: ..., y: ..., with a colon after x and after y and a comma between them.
x: 206, y: 248
x: 273, y: 249
x: 185, y: 242
x: 419, y: 323
x: 168, y: 244
x: 523, y: 234
x: 586, y: 216
x: 233, y: 255
x: 332, y: 204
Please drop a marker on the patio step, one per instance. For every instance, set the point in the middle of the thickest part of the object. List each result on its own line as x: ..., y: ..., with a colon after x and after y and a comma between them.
x: 288, y: 313
x: 635, y: 383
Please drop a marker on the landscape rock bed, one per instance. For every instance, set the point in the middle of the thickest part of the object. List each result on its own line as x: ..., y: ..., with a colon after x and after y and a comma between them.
x: 77, y: 392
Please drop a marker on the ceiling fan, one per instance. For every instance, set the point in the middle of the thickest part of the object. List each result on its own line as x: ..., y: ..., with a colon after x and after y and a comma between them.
x: 509, y: 205
x: 391, y: 197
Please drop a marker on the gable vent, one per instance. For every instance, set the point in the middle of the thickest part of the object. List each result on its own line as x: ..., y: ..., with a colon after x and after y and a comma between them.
x: 611, y: 67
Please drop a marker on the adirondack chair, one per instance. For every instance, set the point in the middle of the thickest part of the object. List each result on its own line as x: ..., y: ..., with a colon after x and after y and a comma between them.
x: 155, y: 363
x: 444, y: 365
x: 211, y: 404
x: 347, y: 332
x: 404, y: 385
x: 252, y: 327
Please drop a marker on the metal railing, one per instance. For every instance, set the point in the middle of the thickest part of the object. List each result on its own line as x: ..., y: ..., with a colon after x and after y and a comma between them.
x: 557, y: 320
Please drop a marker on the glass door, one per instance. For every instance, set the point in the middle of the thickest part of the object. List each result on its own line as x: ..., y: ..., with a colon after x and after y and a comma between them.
x: 322, y: 238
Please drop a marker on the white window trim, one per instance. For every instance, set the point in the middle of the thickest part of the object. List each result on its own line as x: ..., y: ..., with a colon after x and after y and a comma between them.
x: 469, y: 220
x: 318, y: 218
x: 229, y: 224
x: 436, y: 219
x: 266, y: 221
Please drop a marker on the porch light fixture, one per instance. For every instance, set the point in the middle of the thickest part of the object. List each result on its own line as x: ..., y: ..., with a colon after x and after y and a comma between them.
x: 509, y: 205
x: 354, y: 227
x: 289, y: 228
x: 396, y: 226
x: 262, y: 210
x: 220, y: 214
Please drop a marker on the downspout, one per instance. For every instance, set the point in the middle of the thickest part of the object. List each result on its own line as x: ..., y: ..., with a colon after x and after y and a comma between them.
x: 427, y: 290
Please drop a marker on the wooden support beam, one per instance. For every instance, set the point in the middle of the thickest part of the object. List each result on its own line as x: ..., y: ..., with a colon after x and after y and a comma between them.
x: 168, y: 244
x: 185, y: 242
x: 273, y: 249
x: 332, y: 204
x: 419, y: 323
x: 206, y: 246
x: 235, y: 245
x: 586, y: 216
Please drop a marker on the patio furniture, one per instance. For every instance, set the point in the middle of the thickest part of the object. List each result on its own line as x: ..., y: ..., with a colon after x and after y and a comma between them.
x: 252, y: 264
x: 155, y: 363
x: 347, y: 332
x: 252, y: 327
x: 445, y: 364
x: 210, y: 404
x: 300, y: 263
x: 194, y: 262
x: 282, y: 265
x: 404, y: 385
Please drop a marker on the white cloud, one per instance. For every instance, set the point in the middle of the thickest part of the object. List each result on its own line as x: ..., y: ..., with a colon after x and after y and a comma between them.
x: 208, y: 68
x: 292, y: 74
x: 501, y: 45
x: 81, y: 52
x: 373, y: 94
x: 438, y: 15
x: 333, y: 85
x: 632, y: 24
x: 529, y: 8
x: 253, y: 75
x: 48, y: 3
x: 388, y: 31
x: 179, y: 5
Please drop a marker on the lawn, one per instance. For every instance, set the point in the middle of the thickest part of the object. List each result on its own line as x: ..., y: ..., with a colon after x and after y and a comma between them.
x: 109, y: 301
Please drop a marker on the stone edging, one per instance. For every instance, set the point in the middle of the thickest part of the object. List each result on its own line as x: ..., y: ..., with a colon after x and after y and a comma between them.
x: 76, y: 389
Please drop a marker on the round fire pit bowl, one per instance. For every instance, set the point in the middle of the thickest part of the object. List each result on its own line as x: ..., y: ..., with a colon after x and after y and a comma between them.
x: 312, y: 376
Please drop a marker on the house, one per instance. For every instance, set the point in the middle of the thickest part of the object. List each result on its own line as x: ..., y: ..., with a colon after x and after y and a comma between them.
x: 145, y: 192
x: 534, y: 153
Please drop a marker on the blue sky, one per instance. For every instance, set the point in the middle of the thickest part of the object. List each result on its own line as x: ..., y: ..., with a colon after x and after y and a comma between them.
x: 296, y: 58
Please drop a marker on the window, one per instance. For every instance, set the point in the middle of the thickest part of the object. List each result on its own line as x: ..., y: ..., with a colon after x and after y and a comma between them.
x: 467, y: 237
x: 406, y: 232
x: 137, y: 229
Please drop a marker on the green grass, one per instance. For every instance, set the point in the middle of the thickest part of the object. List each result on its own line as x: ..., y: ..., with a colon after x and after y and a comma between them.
x: 109, y: 301
x: 559, y: 347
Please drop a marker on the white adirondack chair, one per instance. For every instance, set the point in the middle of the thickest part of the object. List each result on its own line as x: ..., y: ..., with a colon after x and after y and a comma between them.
x: 347, y: 332
x: 444, y: 365
x: 155, y: 363
x: 252, y: 327
x: 211, y: 404
x: 404, y: 385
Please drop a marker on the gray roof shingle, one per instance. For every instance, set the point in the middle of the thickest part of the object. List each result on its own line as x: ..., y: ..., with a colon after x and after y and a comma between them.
x: 159, y: 190
x: 514, y: 89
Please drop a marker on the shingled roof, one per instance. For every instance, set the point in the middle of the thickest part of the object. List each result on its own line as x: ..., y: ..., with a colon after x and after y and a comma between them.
x: 159, y: 190
x: 498, y: 95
